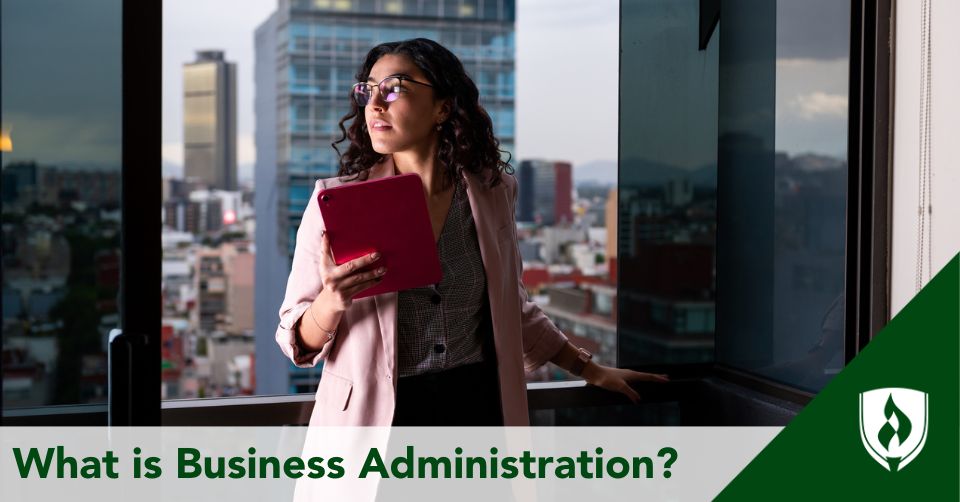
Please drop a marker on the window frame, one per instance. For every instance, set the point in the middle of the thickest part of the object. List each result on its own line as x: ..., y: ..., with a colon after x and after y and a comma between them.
x: 869, y: 185
x: 137, y: 342
x: 138, y: 346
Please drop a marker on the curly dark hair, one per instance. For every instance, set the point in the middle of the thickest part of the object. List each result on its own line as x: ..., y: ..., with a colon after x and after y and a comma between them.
x: 466, y: 142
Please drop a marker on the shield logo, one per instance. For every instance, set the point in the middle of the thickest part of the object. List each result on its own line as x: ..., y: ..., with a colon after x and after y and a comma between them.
x: 893, y: 425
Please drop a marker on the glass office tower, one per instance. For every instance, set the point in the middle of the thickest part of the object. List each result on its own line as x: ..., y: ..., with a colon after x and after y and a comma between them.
x: 210, y: 120
x: 307, y: 56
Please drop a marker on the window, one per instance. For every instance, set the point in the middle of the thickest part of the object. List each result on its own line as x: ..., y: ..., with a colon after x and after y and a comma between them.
x: 666, y: 205
x: 734, y: 189
x: 768, y: 192
x: 299, y: 99
x: 770, y: 151
x: 61, y: 85
x: 565, y: 162
x: 782, y: 189
x: 491, y: 9
x: 207, y: 306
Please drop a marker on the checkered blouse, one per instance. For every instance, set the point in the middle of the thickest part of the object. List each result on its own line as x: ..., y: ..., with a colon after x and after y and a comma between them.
x: 438, y: 325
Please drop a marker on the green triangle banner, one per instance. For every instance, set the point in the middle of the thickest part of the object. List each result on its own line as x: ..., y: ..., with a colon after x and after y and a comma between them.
x: 887, y: 427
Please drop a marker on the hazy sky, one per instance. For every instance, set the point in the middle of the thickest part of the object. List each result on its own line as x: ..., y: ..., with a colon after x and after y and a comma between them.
x: 567, y: 51
x: 61, y: 88
x: 62, y: 102
x: 670, y: 90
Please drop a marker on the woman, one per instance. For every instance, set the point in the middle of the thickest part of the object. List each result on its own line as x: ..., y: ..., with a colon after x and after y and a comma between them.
x: 453, y: 353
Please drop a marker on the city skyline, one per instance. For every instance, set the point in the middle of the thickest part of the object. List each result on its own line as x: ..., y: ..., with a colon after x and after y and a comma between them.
x: 811, y: 122
x: 539, y: 45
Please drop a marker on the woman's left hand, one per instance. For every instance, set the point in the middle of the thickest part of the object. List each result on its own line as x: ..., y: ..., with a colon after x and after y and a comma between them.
x: 619, y: 379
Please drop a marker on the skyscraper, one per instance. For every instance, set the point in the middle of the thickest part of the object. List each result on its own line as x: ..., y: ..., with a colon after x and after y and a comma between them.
x: 307, y: 56
x: 562, y: 193
x: 210, y: 120
x: 545, y: 192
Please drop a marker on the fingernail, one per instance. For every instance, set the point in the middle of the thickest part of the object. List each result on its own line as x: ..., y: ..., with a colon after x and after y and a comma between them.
x: 375, y: 256
x: 381, y: 270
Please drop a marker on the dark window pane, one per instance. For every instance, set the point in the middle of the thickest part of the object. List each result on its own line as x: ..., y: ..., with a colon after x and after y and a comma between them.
x: 491, y: 9
x: 667, y: 196
x: 61, y: 85
x: 782, y: 185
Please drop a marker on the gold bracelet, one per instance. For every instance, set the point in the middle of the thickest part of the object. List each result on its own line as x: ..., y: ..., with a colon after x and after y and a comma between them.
x: 330, y: 334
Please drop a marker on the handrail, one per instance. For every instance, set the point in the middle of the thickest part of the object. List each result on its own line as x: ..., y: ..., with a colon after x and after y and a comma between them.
x: 287, y: 409
x: 695, y: 400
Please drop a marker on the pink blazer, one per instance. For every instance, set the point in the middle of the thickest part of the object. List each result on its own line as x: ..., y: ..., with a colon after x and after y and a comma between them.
x: 359, y: 380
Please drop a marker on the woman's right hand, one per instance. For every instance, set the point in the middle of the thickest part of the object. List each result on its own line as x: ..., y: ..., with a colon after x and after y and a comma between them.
x: 342, y: 282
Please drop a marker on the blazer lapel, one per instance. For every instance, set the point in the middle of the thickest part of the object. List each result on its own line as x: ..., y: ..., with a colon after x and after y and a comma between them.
x: 479, y: 196
x: 387, y: 302
x: 387, y: 314
x: 484, y: 209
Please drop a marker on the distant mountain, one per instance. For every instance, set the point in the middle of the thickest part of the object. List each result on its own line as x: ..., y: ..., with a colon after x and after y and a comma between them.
x: 642, y: 172
x: 598, y: 172
x: 815, y: 162
x: 170, y: 170
x: 245, y: 173
x: 705, y: 176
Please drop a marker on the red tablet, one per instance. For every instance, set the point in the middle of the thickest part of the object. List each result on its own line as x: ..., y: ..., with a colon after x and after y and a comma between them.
x: 388, y: 215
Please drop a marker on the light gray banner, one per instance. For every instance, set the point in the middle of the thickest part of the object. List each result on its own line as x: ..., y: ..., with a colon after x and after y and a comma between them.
x: 423, y: 464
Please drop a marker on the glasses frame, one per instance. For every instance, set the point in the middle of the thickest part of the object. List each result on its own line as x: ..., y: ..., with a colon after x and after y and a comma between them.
x: 379, y: 86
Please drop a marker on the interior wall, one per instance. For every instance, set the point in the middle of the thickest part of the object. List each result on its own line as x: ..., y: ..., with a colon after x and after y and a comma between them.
x: 944, y: 220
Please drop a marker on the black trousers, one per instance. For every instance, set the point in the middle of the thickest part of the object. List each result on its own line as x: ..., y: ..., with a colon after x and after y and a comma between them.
x: 467, y: 395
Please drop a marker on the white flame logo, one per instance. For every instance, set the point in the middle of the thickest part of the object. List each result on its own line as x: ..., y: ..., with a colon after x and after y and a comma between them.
x: 893, y: 425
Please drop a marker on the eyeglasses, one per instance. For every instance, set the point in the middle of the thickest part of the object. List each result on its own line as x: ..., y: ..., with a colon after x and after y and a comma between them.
x: 390, y: 89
